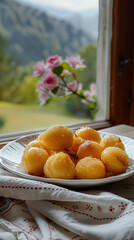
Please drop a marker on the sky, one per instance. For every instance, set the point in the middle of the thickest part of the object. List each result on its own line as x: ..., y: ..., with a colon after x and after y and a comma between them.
x: 75, y: 5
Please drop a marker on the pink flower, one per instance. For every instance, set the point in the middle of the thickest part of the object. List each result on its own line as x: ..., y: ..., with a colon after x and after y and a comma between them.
x: 54, y: 61
x: 85, y: 101
x: 67, y: 72
x: 74, y: 86
x: 76, y: 62
x: 41, y: 88
x: 43, y: 93
x: 43, y: 98
x: 50, y: 81
x: 93, y: 88
x: 87, y: 94
x: 80, y: 86
x: 39, y: 68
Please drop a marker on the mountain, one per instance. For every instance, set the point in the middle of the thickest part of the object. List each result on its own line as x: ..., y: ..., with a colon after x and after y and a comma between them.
x: 35, y: 35
x: 59, y: 13
x: 86, y: 20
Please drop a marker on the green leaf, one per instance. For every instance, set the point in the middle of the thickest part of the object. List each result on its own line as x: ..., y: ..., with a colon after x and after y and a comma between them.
x: 80, y: 91
x: 48, y: 101
x: 56, y: 98
x: 58, y: 70
x: 80, y: 69
x: 91, y: 105
x: 66, y: 66
x: 64, y: 74
x: 95, y: 98
x: 94, y: 111
x: 68, y: 96
x: 55, y: 90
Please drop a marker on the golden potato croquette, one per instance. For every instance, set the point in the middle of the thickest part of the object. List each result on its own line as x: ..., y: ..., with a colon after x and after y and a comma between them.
x: 111, y: 141
x: 57, y: 137
x: 115, y: 160
x: 39, y: 138
x: 89, y: 148
x: 60, y: 166
x: 70, y: 153
x: 33, y: 160
x: 77, y: 141
x: 36, y: 143
x: 90, y: 168
x: 57, y: 153
x: 88, y: 133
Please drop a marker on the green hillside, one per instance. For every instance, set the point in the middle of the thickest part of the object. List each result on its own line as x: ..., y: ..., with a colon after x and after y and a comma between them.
x: 18, y: 117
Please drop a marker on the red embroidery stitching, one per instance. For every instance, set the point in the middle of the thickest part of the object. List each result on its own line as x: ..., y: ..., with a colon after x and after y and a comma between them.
x: 33, y: 228
x: 36, y: 188
x: 59, y: 239
x: 19, y: 228
x: 49, y: 228
x: 123, y: 206
x: 111, y: 209
x: 89, y: 207
x: 96, y: 218
x: 75, y: 207
x: 99, y: 208
x: 29, y: 220
x: 24, y: 210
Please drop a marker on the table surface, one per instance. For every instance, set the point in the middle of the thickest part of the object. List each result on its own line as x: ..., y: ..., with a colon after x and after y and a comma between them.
x: 124, y: 130
x: 102, y: 193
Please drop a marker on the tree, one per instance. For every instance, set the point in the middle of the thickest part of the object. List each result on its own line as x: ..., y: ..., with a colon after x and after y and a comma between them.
x: 8, y: 67
x: 27, y: 91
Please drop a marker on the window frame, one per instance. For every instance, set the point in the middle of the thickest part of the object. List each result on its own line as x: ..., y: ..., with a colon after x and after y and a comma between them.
x: 104, y: 58
x: 110, y: 91
x: 122, y: 76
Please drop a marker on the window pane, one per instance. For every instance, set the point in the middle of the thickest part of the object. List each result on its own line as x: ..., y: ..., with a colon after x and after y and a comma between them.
x: 32, y: 31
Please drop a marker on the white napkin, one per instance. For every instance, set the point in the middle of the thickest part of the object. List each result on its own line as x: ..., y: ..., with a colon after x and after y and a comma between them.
x: 36, y: 210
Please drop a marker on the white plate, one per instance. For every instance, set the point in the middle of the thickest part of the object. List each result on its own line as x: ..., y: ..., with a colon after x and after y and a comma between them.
x: 11, y: 158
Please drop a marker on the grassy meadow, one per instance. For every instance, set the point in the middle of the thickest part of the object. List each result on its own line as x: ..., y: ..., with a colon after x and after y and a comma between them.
x: 20, y: 117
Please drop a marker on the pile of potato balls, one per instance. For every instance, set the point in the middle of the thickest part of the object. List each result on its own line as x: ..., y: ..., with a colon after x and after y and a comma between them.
x: 58, y: 153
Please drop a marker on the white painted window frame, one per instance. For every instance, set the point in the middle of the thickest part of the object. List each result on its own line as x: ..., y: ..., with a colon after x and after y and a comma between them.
x: 104, y: 59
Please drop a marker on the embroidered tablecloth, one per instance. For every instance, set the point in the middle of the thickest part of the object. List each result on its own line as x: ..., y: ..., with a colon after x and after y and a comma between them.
x: 33, y: 210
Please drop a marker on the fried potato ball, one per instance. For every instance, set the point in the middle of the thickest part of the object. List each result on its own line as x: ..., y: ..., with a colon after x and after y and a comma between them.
x: 90, y: 168
x: 88, y: 133
x: 39, y: 138
x: 111, y: 141
x: 58, y: 137
x: 34, y: 159
x: 60, y: 166
x: 70, y: 153
x: 115, y: 160
x: 77, y: 141
x: 37, y: 143
x: 89, y: 148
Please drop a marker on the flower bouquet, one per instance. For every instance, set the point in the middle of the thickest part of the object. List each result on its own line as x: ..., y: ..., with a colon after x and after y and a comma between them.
x: 55, y: 81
